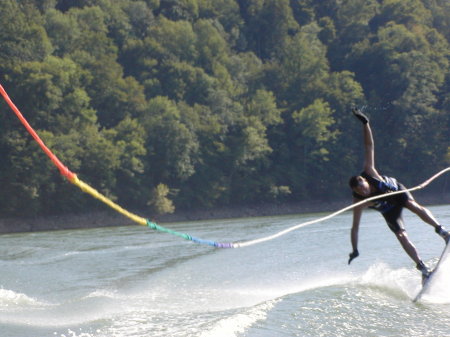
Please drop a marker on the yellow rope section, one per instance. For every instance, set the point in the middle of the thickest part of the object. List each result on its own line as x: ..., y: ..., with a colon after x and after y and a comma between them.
x: 93, y: 192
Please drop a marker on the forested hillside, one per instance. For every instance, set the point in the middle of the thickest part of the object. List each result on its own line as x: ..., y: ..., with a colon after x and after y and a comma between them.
x: 206, y: 103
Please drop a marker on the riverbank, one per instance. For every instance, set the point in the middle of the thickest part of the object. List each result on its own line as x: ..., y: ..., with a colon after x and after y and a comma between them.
x: 110, y: 218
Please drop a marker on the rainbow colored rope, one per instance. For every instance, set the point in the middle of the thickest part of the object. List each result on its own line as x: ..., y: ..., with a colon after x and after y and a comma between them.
x: 72, y: 177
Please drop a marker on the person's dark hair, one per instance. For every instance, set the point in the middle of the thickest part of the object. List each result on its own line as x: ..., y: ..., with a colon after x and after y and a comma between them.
x: 353, y: 182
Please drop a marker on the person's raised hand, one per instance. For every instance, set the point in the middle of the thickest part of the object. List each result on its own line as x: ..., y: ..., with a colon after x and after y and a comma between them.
x: 358, y: 114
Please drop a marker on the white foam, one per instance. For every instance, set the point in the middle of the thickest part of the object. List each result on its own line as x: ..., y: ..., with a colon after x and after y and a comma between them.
x: 406, y: 281
x: 71, y: 333
x: 268, y: 298
x: 9, y: 299
x: 103, y: 293
x: 20, y: 309
x: 238, y: 323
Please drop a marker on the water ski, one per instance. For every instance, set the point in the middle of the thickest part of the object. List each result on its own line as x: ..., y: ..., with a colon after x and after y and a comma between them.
x: 426, y: 284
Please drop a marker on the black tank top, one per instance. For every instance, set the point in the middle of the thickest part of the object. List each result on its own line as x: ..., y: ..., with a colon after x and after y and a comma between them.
x: 386, y: 185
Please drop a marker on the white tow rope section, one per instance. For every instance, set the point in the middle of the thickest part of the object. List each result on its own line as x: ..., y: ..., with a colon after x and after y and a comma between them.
x: 304, y: 224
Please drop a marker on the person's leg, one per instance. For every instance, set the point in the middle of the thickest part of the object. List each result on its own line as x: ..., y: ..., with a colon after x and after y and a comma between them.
x: 422, y: 212
x: 395, y: 222
x: 427, y: 217
x: 408, y: 246
x: 411, y: 250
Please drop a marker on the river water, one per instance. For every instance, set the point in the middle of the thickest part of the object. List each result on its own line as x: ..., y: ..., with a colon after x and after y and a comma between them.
x: 132, y: 281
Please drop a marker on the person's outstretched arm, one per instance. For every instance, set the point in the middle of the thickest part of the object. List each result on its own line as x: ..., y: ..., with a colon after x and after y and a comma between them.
x: 357, y: 211
x: 369, y: 145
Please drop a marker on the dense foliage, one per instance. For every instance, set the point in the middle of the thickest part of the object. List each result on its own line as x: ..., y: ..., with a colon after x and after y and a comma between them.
x: 205, y: 103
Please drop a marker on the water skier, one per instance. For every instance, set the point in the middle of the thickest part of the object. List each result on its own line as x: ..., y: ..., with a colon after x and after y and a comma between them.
x: 370, y: 183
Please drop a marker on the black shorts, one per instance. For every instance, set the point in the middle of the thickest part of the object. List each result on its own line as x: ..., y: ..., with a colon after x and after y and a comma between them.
x: 393, y: 216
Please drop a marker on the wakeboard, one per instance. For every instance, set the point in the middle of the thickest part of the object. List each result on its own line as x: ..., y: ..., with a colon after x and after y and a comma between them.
x: 426, y: 284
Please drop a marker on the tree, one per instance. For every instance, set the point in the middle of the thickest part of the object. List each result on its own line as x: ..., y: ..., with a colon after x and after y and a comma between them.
x: 179, y: 9
x: 402, y: 72
x: 440, y: 10
x: 352, y: 21
x: 22, y: 36
x: 301, y: 68
x: 177, y: 39
x: 404, y: 12
x: 268, y: 25
x: 171, y: 145
x: 224, y: 11
x: 211, y: 45
x: 159, y: 201
x: 312, y: 134
x: 52, y: 91
x: 129, y: 139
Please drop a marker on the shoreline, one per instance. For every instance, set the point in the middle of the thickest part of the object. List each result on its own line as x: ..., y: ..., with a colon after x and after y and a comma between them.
x: 110, y: 218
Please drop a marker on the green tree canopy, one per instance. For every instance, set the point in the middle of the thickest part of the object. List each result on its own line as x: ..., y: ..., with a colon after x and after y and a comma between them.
x: 165, y: 105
